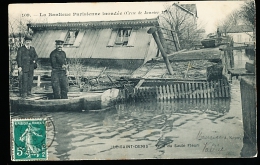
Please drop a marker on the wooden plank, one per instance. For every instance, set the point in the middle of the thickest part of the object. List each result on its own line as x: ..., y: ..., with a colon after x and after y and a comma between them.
x: 175, y: 91
x: 186, y: 90
x: 182, y: 91
x: 200, y: 91
x: 208, y: 90
x: 222, y: 88
x: 171, y: 92
x: 164, y: 93
x: 190, y: 91
x: 167, y: 92
x: 216, y: 89
x: 161, y: 93
x: 205, y: 89
x: 38, y: 80
x: 219, y: 89
x: 179, y: 90
x: 211, y: 89
x: 35, y: 98
x: 227, y: 88
x: 157, y: 92
x: 154, y: 92
x: 233, y: 48
x: 197, y: 91
x: 193, y: 90
x: 139, y: 83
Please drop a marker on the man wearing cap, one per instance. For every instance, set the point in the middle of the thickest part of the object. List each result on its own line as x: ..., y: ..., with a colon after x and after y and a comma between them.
x: 59, y: 71
x: 26, y: 60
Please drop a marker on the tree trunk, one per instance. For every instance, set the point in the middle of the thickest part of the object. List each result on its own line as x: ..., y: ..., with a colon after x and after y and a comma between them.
x: 159, y: 44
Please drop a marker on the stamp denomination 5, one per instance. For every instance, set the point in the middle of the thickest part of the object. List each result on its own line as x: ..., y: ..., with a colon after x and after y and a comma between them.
x: 29, y: 139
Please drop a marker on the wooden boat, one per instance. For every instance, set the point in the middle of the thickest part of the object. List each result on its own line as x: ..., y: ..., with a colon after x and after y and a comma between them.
x: 77, y: 101
x: 40, y: 102
x: 208, y: 43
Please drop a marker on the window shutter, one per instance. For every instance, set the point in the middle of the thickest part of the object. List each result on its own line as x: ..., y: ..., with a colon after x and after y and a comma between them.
x: 79, y: 38
x: 112, y: 38
x: 132, y: 38
x: 63, y: 35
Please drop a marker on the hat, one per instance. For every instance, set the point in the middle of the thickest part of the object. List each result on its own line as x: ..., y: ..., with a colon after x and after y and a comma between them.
x: 59, y: 42
x: 28, y: 38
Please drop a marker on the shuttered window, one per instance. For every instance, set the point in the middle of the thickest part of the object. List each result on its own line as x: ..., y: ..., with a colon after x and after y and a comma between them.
x: 63, y: 35
x: 73, y: 38
x: 112, y: 38
x: 122, y: 37
x: 79, y: 38
x: 132, y: 38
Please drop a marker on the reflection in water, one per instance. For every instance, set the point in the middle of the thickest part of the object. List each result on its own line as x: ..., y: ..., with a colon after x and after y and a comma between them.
x: 158, y: 125
x: 240, y: 58
x: 134, y: 121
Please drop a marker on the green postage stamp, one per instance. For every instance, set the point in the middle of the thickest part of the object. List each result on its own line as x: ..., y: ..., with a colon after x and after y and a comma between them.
x: 29, y: 139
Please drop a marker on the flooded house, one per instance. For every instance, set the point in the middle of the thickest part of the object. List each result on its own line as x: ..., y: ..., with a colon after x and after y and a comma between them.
x: 119, y: 43
x: 239, y: 33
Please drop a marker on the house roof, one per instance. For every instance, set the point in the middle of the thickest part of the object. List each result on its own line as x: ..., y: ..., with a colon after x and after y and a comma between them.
x: 190, y: 8
x: 236, y: 29
x: 94, y: 24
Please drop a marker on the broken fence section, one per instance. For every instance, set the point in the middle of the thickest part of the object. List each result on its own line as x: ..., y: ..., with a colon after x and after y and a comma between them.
x: 180, y: 90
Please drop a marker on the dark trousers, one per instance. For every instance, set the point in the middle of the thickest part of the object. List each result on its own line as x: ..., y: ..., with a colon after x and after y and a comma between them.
x: 26, y: 82
x: 59, y: 82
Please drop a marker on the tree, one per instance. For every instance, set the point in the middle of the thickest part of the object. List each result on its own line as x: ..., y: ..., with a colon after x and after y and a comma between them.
x: 247, y: 12
x: 231, y: 20
x: 244, y: 17
x: 183, y: 22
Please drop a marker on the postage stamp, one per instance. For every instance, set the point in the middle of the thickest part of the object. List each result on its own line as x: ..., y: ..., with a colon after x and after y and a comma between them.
x: 29, y: 139
x: 135, y: 80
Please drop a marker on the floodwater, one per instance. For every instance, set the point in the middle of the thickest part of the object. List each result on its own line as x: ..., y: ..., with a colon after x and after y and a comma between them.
x: 150, y: 129
x: 240, y: 59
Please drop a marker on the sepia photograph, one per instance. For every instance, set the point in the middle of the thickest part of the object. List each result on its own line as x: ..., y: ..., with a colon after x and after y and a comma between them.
x: 132, y: 80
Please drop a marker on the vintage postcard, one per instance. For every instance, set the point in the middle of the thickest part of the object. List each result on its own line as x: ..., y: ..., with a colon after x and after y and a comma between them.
x: 135, y: 80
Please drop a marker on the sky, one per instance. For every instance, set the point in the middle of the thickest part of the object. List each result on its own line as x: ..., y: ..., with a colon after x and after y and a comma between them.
x: 209, y: 12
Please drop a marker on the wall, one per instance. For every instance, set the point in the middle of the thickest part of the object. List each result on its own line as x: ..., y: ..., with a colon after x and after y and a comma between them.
x: 93, y: 48
x: 93, y: 45
x: 241, y: 37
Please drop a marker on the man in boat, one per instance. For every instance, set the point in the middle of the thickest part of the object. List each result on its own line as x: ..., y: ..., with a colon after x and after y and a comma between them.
x: 26, y: 60
x: 59, y: 72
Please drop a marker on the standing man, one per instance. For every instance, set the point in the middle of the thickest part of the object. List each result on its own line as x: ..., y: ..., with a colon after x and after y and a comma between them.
x: 59, y: 65
x: 26, y: 60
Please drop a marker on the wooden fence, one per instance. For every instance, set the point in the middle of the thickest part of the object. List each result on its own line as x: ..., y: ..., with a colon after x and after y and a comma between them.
x: 181, y: 90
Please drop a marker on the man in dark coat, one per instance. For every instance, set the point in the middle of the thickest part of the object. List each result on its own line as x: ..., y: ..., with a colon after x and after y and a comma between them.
x: 26, y: 60
x: 59, y: 71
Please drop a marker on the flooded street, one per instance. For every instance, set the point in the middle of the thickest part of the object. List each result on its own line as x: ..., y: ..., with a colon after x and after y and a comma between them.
x: 240, y: 59
x: 151, y: 129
